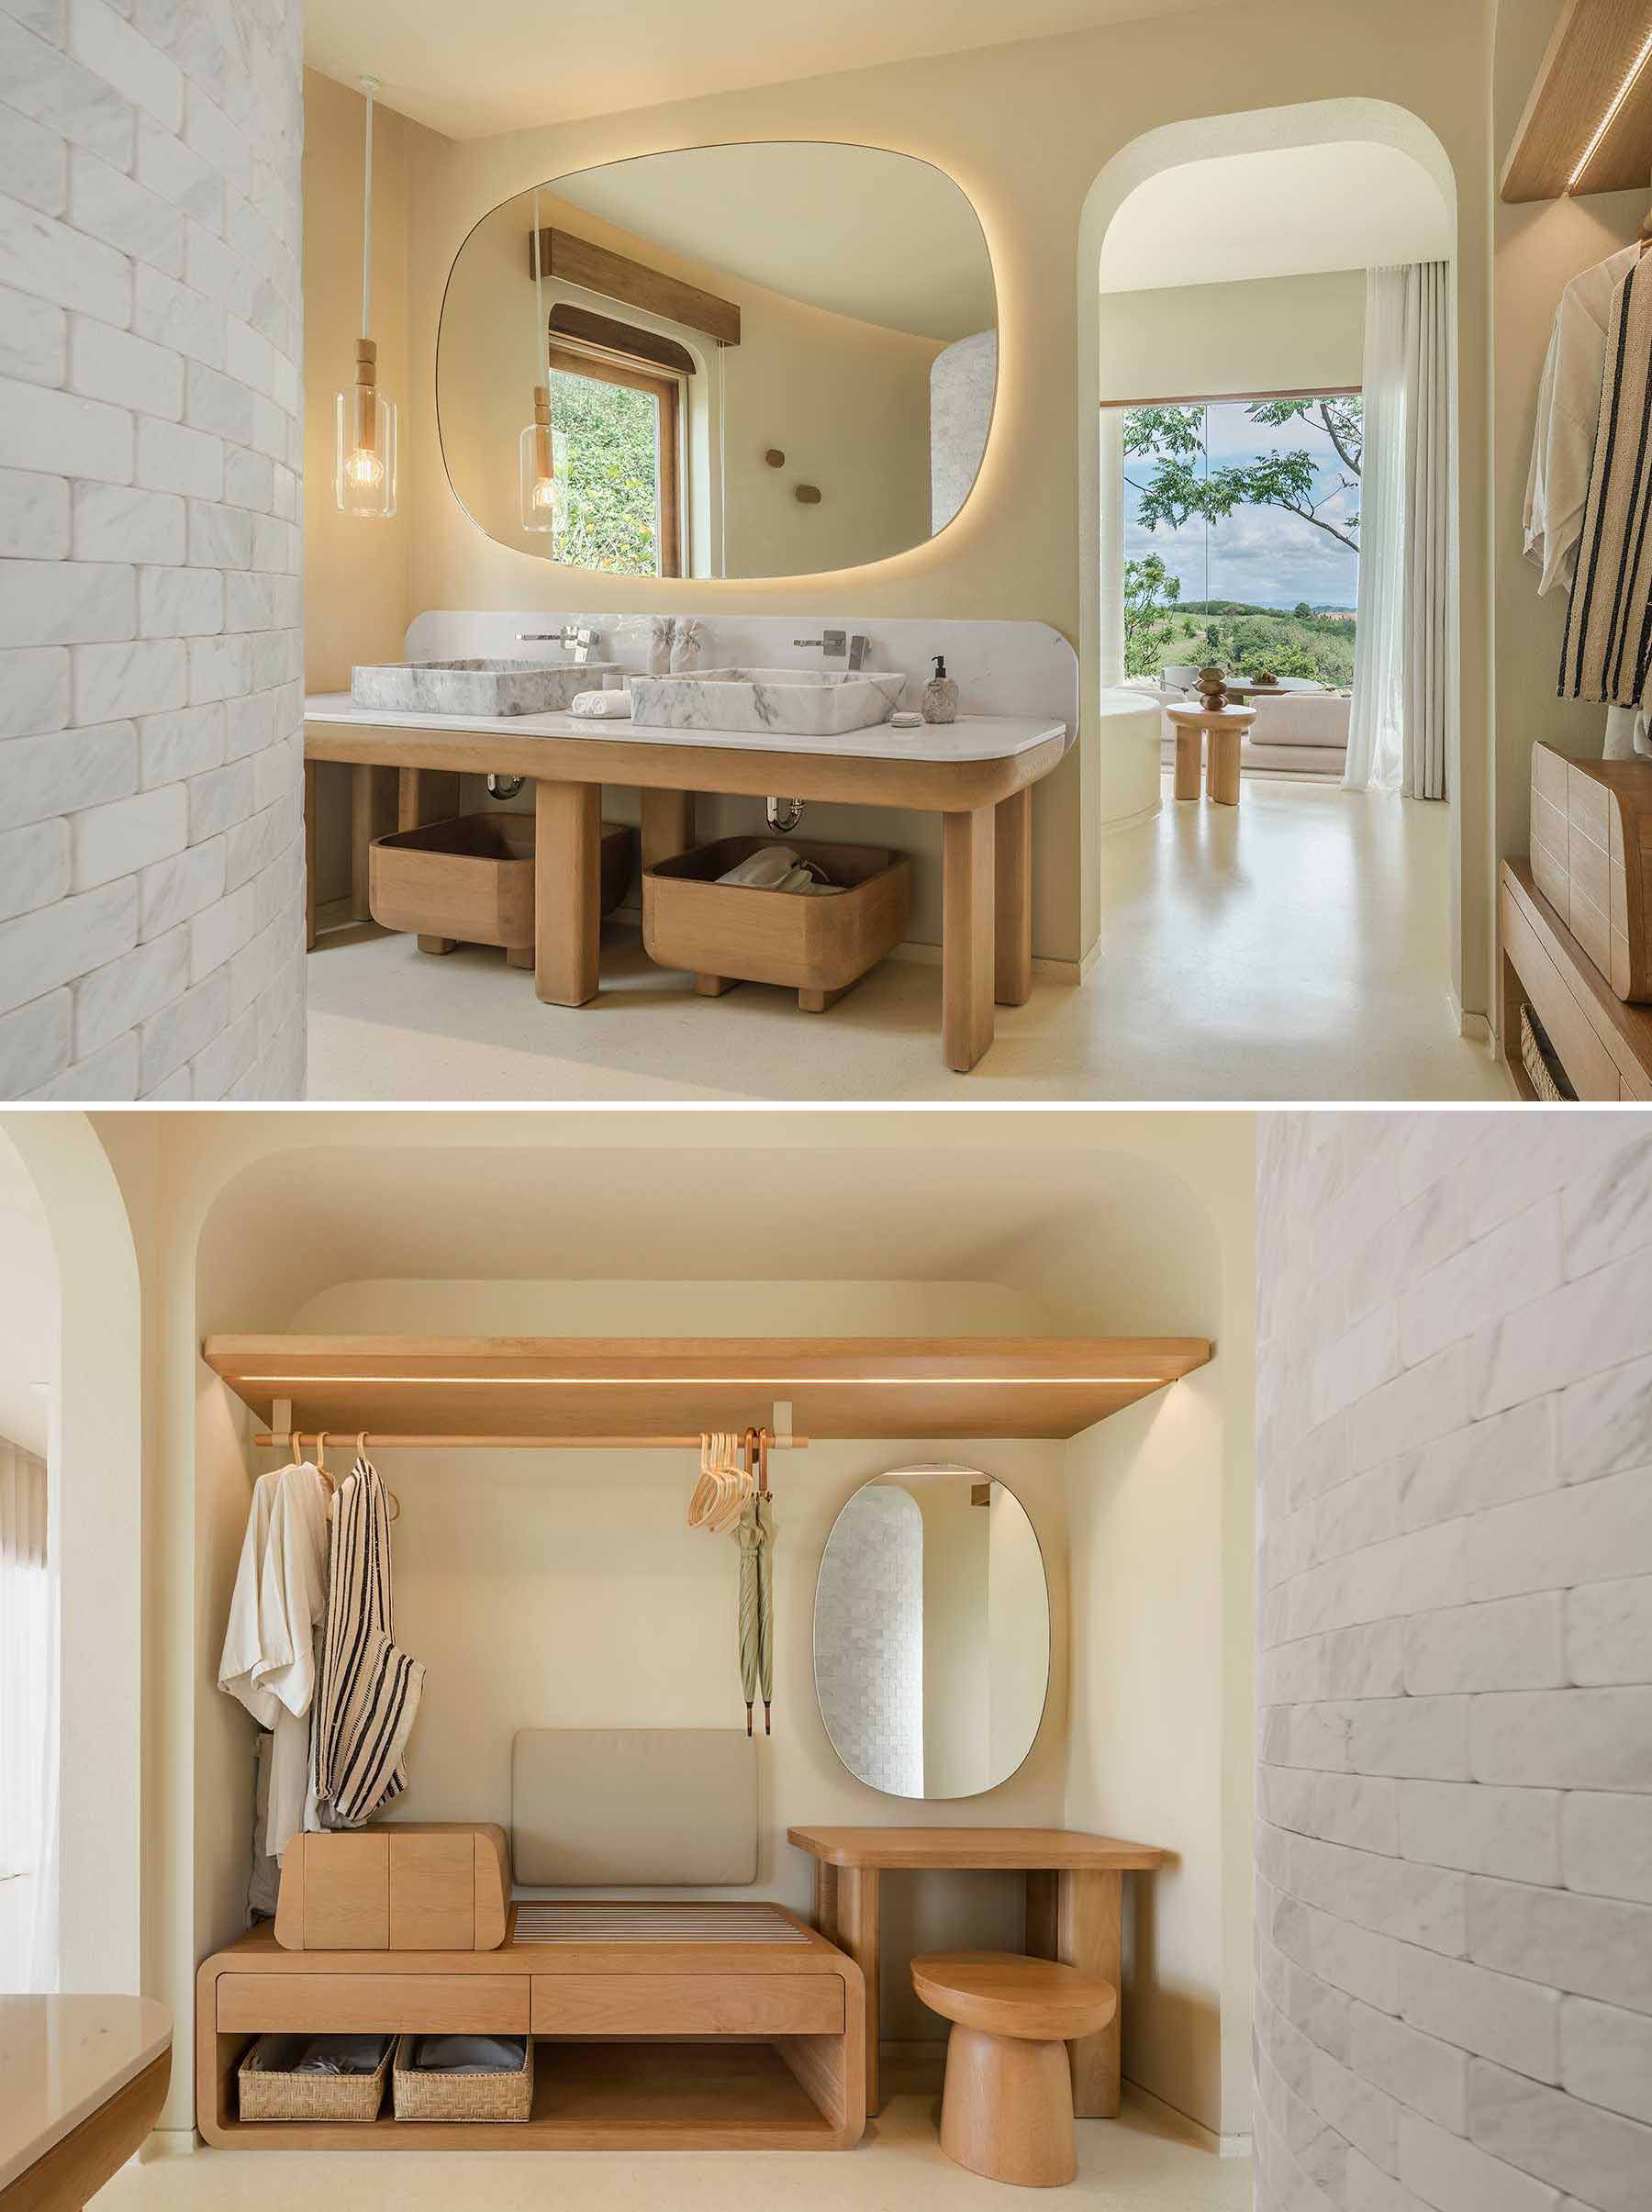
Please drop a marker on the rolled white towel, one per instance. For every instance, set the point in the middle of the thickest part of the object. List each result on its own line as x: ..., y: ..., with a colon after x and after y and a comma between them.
x: 603, y: 706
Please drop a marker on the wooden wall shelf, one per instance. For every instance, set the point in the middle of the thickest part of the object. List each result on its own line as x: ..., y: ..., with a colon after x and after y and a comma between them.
x: 858, y: 1386
x: 1594, y: 48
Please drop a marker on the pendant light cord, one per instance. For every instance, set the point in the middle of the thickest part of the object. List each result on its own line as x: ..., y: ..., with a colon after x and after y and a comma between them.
x: 369, y: 85
x: 543, y: 339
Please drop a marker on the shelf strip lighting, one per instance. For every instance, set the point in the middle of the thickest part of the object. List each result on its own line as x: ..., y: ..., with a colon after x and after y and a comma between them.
x: 612, y: 1382
x: 1607, y: 120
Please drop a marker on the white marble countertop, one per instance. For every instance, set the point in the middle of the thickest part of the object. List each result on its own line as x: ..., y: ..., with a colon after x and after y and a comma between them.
x: 973, y: 737
x: 60, y: 2059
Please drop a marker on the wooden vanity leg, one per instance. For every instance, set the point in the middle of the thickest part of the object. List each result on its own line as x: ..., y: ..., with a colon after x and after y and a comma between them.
x: 424, y: 795
x: 857, y: 1934
x: 1012, y: 898
x: 1077, y: 1916
x: 967, y: 853
x: 713, y: 987
x: 567, y: 880
x: 311, y: 818
x: 370, y: 817
x: 667, y: 825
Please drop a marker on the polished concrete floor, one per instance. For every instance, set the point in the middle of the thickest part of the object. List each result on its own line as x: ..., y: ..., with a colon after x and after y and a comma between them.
x: 1292, y: 947
x: 1140, y: 2162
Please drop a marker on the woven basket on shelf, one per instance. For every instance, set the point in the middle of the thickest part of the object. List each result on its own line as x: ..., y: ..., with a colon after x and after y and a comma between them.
x: 1541, y: 1062
x: 271, y: 2090
x: 424, y: 2095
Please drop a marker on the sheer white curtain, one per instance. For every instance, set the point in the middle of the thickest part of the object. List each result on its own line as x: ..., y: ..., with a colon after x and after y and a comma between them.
x: 28, y: 1729
x: 1398, y: 725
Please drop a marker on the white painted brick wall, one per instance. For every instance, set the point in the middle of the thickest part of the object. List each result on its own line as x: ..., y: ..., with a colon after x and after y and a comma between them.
x: 1454, y: 1844
x: 151, y: 928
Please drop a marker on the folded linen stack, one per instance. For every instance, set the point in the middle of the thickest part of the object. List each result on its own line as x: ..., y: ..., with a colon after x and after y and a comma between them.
x: 603, y: 706
x: 776, y: 868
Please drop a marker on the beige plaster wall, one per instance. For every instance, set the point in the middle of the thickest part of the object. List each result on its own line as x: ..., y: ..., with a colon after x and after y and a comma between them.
x: 1208, y: 341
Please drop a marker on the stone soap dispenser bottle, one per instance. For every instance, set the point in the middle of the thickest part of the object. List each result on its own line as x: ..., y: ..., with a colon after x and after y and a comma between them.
x: 941, y: 695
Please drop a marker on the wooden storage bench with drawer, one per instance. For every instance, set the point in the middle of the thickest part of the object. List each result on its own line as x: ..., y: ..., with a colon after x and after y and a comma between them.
x: 704, y: 2027
x: 1604, y: 1046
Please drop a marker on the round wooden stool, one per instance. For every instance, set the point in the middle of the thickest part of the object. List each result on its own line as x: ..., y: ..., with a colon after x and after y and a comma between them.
x: 1008, y: 2107
x: 1195, y: 726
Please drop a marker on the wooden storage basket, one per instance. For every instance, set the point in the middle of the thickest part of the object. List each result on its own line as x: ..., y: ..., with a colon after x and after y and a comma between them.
x: 424, y: 2095
x: 729, y: 933
x: 470, y: 881
x: 269, y: 2091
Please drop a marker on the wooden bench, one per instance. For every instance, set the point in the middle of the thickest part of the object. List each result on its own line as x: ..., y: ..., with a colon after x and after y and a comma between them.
x: 676, y: 2027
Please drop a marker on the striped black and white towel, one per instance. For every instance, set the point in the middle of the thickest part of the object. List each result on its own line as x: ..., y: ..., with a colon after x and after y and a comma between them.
x: 368, y: 1689
x: 1609, y: 622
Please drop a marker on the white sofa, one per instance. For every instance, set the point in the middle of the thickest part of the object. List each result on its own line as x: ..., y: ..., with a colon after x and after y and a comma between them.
x: 1297, y: 734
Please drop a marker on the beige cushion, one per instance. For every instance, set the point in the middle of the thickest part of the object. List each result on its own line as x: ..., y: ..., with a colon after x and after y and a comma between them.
x: 633, y: 1808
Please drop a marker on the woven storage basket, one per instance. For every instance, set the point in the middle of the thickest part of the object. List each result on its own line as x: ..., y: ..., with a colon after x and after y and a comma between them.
x: 271, y: 2090
x: 1541, y: 1063
x: 422, y: 2094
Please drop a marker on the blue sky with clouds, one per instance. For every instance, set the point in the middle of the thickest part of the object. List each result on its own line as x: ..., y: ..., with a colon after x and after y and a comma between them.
x: 1260, y: 554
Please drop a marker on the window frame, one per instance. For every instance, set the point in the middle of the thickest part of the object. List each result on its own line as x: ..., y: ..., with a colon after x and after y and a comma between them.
x: 636, y: 374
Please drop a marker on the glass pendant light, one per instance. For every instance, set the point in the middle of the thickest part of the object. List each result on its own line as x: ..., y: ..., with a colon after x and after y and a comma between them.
x: 364, y: 468
x: 539, y: 490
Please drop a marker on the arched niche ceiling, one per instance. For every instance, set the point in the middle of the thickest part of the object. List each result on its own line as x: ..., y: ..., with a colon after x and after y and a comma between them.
x: 1097, y: 1239
x: 1279, y: 211
x: 28, y: 1307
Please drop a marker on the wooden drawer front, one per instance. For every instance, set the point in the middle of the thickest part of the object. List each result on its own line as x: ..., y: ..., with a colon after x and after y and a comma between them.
x: 691, y: 2004
x: 433, y: 1892
x: 1591, y: 1067
x: 413, y: 2004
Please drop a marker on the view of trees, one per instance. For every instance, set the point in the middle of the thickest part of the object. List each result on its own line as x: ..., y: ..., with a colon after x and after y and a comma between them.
x: 605, y: 439
x: 1167, y: 467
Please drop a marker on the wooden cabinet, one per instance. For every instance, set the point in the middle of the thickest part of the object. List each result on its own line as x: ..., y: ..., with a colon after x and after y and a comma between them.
x: 416, y: 1885
x: 688, y: 2005
x: 1604, y: 1046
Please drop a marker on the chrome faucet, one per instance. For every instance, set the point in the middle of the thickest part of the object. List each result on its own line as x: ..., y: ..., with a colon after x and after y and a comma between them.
x: 577, y: 640
x: 830, y: 643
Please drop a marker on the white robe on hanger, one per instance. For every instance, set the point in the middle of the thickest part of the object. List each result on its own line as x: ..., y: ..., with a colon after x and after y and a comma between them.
x: 1568, y: 414
x: 269, y: 1655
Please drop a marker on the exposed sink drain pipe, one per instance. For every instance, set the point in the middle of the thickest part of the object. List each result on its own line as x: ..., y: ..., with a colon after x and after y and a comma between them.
x: 504, y: 786
x: 783, y: 814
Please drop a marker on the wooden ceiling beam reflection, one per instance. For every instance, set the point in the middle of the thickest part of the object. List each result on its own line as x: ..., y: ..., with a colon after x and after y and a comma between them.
x: 590, y: 1386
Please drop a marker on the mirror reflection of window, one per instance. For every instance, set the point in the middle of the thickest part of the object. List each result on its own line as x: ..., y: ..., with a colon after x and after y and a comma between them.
x: 932, y: 1633
x: 614, y: 436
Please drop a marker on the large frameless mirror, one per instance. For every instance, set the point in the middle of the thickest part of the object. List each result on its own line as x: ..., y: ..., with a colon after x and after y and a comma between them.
x: 932, y: 1633
x: 736, y: 360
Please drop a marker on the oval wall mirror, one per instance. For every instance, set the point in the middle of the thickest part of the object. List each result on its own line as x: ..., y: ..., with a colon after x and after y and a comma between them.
x: 693, y: 315
x: 932, y: 1633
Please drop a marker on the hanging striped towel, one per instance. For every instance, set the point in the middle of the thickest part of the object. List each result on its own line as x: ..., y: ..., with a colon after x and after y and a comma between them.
x: 368, y: 1691
x: 1609, y: 622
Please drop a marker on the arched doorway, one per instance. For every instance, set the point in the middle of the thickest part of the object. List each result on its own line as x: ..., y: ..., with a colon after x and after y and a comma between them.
x: 88, y: 1929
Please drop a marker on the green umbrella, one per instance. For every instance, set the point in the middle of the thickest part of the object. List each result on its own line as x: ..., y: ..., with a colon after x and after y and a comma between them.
x: 768, y: 1529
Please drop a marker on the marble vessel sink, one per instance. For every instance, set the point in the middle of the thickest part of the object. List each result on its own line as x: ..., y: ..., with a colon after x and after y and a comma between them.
x: 791, y: 702
x: 481, y: 687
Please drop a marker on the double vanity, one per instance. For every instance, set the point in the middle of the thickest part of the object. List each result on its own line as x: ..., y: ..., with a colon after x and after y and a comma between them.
x: 806, y: 733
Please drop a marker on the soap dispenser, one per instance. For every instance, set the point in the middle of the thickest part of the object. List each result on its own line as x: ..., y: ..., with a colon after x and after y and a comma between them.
x: 941, y: 695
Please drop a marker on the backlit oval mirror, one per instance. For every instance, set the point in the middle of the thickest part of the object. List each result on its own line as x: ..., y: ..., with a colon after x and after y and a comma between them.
x: 932, y: 1633
x: 760, y: 361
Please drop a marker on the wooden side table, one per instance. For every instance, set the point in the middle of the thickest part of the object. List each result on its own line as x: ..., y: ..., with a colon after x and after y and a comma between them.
x: 1217, y: 736
x: 1075, y: 1913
